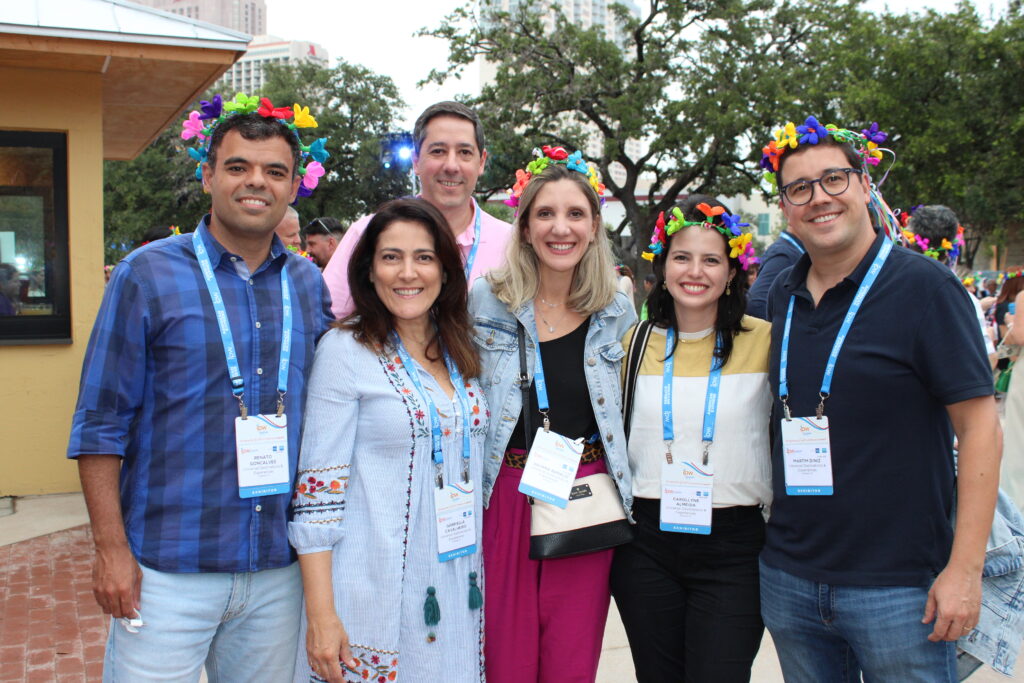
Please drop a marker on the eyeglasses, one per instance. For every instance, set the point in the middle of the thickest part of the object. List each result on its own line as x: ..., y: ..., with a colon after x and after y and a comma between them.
x: 834, y: 182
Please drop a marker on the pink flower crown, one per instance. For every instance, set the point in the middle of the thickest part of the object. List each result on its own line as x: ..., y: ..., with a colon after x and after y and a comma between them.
x: 201, y: 123
x: 546, y: 156
x: 740, y: 242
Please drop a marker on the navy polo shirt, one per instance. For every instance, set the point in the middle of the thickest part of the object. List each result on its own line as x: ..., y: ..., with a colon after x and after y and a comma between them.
x: 914, y: 348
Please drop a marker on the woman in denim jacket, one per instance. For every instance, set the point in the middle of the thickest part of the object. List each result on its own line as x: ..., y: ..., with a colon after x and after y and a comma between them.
x: 545, y: 618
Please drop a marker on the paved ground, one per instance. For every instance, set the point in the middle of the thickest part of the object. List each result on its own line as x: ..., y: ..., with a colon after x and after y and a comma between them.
x: 52, y: 630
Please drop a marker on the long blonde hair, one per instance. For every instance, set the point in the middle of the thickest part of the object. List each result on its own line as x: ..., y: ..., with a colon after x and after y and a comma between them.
x: 593, y: 283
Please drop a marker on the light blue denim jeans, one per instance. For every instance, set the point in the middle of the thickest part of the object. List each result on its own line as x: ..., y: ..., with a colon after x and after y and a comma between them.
x: 243, y: 627
x: 832, y: 634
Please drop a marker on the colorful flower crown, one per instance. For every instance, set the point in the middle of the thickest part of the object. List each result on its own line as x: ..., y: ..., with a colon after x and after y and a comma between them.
x: 553, y: 155
x: 200, y: 125
x: 731, y: 228
x: 812, y: 132
x: 935, y: 251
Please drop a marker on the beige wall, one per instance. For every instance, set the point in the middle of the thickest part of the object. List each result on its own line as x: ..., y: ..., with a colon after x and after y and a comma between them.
x: 39, y: 384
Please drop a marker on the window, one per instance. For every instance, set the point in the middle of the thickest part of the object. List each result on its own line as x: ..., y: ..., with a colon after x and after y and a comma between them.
x: 35, y: 292
x: 764, y: 224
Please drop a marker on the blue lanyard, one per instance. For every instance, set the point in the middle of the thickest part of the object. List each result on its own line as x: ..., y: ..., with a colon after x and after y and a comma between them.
x: 710, y: 396
x: 435, y: 420
x: 234, y: 371
x: 540, y: 384
x: 830, y: 368
x: 476, y: 244
x: 789, y: 238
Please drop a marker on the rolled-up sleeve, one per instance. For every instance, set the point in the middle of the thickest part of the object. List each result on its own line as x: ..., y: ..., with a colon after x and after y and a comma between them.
x: 328, y: 442
x: 114, y: 370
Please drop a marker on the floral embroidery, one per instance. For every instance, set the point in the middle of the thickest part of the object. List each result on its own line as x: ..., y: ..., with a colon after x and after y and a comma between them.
x: 320, y: 489
x: 378, y: 666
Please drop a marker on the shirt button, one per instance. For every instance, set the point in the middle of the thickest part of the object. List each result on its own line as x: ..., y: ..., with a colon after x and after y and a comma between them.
x: 250, y: 281
x: 591, y: 362
x: 618, y: 475
x: 259, y: 508
x: 234, y: 258
x: 257, y: 324
x: 259, y: 371
x: 600, y: 400
x: 609, y: 437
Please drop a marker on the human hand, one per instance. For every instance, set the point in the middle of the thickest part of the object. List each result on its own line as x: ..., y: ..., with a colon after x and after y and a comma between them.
x: 954, y: 603
x: 117, y: 581
x: 327, y: 648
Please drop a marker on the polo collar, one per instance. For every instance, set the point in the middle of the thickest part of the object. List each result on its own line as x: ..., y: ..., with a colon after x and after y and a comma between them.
x: 797, y: 280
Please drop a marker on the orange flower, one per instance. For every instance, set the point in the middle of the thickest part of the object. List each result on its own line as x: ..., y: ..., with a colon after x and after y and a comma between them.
x: 708, y: 211
x: 302, y: 488
x: 393, y: 674
x: 335, y: 484
x: 476, y: 409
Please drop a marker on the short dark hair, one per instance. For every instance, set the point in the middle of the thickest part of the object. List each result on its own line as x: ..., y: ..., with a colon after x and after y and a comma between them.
x: 661, y: 308
x: 325, y: 226
x: 254, y: 127
x: 447, y: 108
x: 935, y: 223
x: 650, y: 278
x: 853, y: 157
x: 372, y: 322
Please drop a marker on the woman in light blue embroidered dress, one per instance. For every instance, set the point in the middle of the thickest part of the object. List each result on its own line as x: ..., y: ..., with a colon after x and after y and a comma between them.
x: 380, y: 604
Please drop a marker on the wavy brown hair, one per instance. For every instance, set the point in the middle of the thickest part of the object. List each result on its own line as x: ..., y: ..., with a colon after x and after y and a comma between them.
x: 371, y: 321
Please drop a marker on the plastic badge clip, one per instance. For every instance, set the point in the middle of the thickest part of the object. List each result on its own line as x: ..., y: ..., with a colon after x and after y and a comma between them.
x: 133, y: 624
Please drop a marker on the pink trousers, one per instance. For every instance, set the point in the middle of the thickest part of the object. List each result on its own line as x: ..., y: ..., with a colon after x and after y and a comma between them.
x: 544, y: 619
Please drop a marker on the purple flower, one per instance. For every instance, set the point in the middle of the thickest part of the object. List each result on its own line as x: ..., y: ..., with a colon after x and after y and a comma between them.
x: 211, y: 110
x: 811, y: 132
x: 873, y: 134
x: 732, y: 221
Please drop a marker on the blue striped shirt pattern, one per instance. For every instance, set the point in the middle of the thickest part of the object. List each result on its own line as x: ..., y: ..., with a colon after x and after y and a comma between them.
x: 155, y: 390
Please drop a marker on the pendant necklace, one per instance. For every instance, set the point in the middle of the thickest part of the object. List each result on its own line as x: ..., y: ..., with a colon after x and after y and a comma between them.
x: 551, y: 327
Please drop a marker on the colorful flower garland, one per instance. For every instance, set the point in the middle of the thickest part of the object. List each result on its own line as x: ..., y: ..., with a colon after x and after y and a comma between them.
x: 200, y: 125
x: 546, y: 156
x: 935, y: 251
x: 740, y: 244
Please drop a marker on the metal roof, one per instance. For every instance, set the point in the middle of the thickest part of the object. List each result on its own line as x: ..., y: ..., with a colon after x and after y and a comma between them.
x: 115, y: 21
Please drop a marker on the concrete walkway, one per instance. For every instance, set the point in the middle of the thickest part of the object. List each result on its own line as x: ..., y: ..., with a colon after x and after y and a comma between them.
x: 52, y: 630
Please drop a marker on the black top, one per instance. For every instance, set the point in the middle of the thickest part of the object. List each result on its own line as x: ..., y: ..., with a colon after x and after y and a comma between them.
x: 781, y: 254
x: 571, y: 414
x: 914, y: 348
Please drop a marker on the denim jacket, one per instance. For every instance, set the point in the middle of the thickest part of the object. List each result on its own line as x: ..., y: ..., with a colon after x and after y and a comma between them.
x: 496, y: 340
x: 996, y: 639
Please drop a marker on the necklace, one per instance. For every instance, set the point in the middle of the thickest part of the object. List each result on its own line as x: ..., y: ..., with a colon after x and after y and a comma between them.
x: 552, y: 326
x: 691, y: 337
x: 545, y: 302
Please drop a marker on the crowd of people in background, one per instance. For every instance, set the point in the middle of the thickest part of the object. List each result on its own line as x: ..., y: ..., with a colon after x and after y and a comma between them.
x: 434, y: 445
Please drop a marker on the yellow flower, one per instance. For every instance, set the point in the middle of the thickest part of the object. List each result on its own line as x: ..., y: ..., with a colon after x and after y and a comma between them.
x: 302, y: 117
x: 739, y: 244
x: 909, y: 236
x: 946, y: 244
x: 647, y: 256
x: 787, y: 136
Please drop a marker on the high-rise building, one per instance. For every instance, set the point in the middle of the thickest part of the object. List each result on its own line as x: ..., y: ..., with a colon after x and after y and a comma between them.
x: 247, y: 73
x: 247, y: 16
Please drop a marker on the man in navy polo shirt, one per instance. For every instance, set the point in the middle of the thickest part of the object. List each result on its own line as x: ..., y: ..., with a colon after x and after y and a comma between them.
x: 876, y: 364
x: 187, y: 426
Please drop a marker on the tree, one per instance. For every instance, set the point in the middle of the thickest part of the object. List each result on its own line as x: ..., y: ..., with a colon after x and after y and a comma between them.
x: 355, y: 108
x: 700, y: 83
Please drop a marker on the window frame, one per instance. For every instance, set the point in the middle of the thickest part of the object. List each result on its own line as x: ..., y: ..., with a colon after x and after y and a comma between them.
x: 55, y: 328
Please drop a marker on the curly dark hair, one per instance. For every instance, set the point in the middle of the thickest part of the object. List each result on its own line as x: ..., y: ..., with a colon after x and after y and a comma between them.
x: 661, y: 308
x: 372, y: 322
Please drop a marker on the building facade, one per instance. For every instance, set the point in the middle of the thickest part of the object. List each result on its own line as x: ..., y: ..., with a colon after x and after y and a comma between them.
x: 247, y: 74
x: 247, y: 16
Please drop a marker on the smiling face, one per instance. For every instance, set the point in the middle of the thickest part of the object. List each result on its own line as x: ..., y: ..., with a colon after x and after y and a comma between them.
x: 827, y: 225
x: 448, y: 162
x: 560, y: 226
x: 250, y: 187
x: 406, y: 272
x: 696, y: 274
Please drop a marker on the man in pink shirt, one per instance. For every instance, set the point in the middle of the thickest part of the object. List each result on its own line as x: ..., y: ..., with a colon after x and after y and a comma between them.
x: 449, y: 157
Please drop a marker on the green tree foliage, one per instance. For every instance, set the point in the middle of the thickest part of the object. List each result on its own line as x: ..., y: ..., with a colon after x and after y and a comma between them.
x: 353, y: 107
x: 698, y: 82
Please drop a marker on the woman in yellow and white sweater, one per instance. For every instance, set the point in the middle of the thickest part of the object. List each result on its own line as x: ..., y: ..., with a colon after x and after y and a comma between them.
x: 687, y: 588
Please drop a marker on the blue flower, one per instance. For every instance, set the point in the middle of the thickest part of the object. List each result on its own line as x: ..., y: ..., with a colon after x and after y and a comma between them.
x: 811, y: 132
x: 317, y: 150
x: 732, y: 221
x: 199, y: 154
x: 211, y: 110
x: 873, y: 134
x: 575, y: 162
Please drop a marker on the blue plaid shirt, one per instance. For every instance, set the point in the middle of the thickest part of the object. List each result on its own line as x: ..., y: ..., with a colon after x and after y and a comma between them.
x: 155, y: 391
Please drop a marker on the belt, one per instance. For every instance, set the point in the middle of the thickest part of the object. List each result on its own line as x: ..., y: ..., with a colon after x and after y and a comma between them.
x: 592, y: 452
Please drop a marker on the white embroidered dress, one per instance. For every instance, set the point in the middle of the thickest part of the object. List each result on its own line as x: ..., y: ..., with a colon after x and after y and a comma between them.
x: 365, y: 491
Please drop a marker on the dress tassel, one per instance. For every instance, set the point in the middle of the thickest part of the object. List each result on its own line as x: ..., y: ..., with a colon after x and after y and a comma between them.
x: 476, y: 598
x: 431, y: 610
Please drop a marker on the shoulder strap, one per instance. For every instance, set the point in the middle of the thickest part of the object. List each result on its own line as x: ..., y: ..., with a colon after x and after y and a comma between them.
x: 524, y: 385
x: 634, y: 357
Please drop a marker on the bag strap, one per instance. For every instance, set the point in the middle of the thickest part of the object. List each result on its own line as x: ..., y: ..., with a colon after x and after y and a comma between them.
x: 524, y: 385
x: 634, y: 357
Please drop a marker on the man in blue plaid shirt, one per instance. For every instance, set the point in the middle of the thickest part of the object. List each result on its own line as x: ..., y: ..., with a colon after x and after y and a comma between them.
x: 186, y: 430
